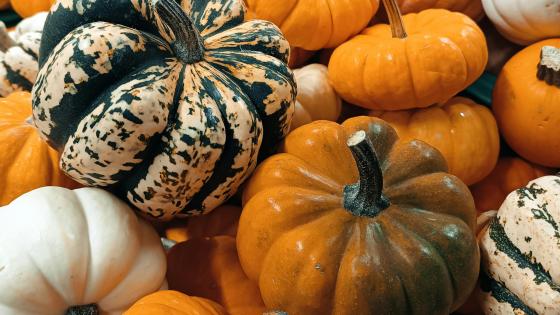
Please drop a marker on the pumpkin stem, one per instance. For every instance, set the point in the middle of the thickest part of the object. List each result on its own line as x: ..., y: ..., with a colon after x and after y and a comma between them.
x: 395, y: 18
x: 90, y: 309
x: 188, y: 44
x: 548, y: 69
x: 365, y: 198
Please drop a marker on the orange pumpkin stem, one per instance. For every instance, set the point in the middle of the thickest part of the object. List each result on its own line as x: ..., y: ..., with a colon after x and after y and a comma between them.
x: 90, y: 309
x: 365, y: 198
x: 549, y: 66
x: 395, y: 18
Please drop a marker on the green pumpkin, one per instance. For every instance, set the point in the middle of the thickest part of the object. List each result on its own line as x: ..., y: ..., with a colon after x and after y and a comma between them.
x: 168, y: 105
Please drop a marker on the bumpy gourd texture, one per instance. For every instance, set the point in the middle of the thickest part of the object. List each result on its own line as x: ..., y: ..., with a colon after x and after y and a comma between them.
x: 19, y: 64
x: 175, y: 138
x: 418, y: 256
x: 176, y: 303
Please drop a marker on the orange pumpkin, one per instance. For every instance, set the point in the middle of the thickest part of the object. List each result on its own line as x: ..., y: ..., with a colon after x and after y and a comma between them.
x: 472, y: 8
x: 221, y: 221
x: 389, y: 68
x: 510, y: 173
x: 27, y: 8
x: 175, y: 303
x: 316, y: 24
x: 526, y: 103
x: 463, y: 131
x: 209, y: 267
x: 27, y: 162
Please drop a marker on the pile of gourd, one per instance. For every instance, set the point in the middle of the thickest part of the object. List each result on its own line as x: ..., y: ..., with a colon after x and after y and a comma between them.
x: 164, y: 157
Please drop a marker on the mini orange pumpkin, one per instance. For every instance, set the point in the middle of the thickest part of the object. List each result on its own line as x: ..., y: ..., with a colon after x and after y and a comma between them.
x: 527, y: 103
x: 472, y: 8
x: 386, y: 68
x: 27, y: 8
x: 221, y: 221
x: 27, y: 162
x: 176, y: 303
x: 463, y: 131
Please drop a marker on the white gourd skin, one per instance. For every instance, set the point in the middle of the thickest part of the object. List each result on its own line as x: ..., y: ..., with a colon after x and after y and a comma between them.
x: 34, y: 23
x: 520, y: 250
x: 316, y: 99
x: 524, y: 21
x: 63, y: 248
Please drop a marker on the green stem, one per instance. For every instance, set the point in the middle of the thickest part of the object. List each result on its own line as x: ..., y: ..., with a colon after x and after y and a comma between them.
x: 90, y: 309
x: 548, y: 69
x: 395, y: 18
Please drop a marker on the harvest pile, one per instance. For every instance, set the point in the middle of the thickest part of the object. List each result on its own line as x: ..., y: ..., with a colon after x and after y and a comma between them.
x: 292, y: 157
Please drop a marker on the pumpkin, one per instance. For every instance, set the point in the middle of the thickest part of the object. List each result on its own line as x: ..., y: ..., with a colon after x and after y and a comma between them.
x: 463, y: 131
x: 316, y: 24
x: 209, y: 268
x: 18, y: 60
x: 316, y: 98
x: 526, y: 103
x: 27, y: 162
x: 472, y: 8
x: 386, y: 68
x: 176, y: 303
x: 375, y: 227
x: 509, y: 174
x: 222, y: 221
x: 27, y: 8
x: 524, y: 22
x: 77, y: 251
x: 519, y: 249
x: 171, y: 119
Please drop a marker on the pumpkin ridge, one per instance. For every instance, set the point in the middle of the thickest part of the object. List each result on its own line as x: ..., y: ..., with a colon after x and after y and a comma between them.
x: 501, y: 293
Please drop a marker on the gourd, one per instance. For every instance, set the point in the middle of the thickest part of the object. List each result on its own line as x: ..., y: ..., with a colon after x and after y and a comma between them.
x: 526, y: 103
x: 75, y: 252
x: 315, y: 24
x: 316, y: 99
x: 463, y: 131
x: 168, y: 108
x: 519, y: 249
x: 209, y: 268
x: 27, y: 8
x: 27, y: 161
x: 34, y: 23
x: 509, y: 174
x: 524, y: 22
x: 472, y: 8
x: 176, y: 303
x: 415, y: 62
x: 361, y: 222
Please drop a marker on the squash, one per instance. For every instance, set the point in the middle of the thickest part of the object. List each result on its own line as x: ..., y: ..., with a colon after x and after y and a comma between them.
x: 520, y: 248
x: 376, y: 227
x: 171, y: 120
x: 176, y: 303
x: 27, y: 162
x: 27, y: 8
x: 386, y: 68
x: 209, y: 268
x: 524, y: 22
x: 77, y: 251
x: 472, y: 8
x: 509, y: 174
x: 463, y: 131
x: 316, y: 24
x: 222, y: 221
x: 34, y: 23
x: 316, y: 98
x: 526, y: 103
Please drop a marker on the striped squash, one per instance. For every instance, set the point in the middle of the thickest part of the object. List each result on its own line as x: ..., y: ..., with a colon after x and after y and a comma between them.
x: 170, y: 110
x: 520, y: 252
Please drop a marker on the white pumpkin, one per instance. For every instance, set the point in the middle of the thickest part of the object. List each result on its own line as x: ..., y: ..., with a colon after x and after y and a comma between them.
x: 316, y: 98
x: 520, y: 250
x: 62, y: 249
x: 524, y: 21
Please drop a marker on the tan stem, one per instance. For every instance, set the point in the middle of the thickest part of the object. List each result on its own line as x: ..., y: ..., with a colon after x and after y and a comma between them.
x: 395, y: 18
x: 548, y: 69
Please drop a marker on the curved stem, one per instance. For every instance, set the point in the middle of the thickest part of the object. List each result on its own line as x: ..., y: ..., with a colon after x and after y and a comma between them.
x: 395, y: 18
x: 548, y: 69
x: 188, y: 44
x: 90, y: 309
x: 365, y: 198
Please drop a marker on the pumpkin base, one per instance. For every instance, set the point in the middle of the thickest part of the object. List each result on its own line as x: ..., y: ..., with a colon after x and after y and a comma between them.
x: 90, y: 309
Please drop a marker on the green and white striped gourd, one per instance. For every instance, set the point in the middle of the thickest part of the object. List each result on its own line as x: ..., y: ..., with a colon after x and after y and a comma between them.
x: 520, y: 250
x: 166, y: 104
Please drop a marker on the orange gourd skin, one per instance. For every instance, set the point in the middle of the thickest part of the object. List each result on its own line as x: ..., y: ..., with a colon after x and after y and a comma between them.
x: 315, y: 24
x: 174, y: 303
x: 528, y: 110
x: 27, y: 162
x: 510, y: 173
x: 472, y: 8
x: 27, y: 8
x: 209, y: 267
x: 464, y: 132
x: 443, y: 53
x: 221, y: 221
x: 311, y: 256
